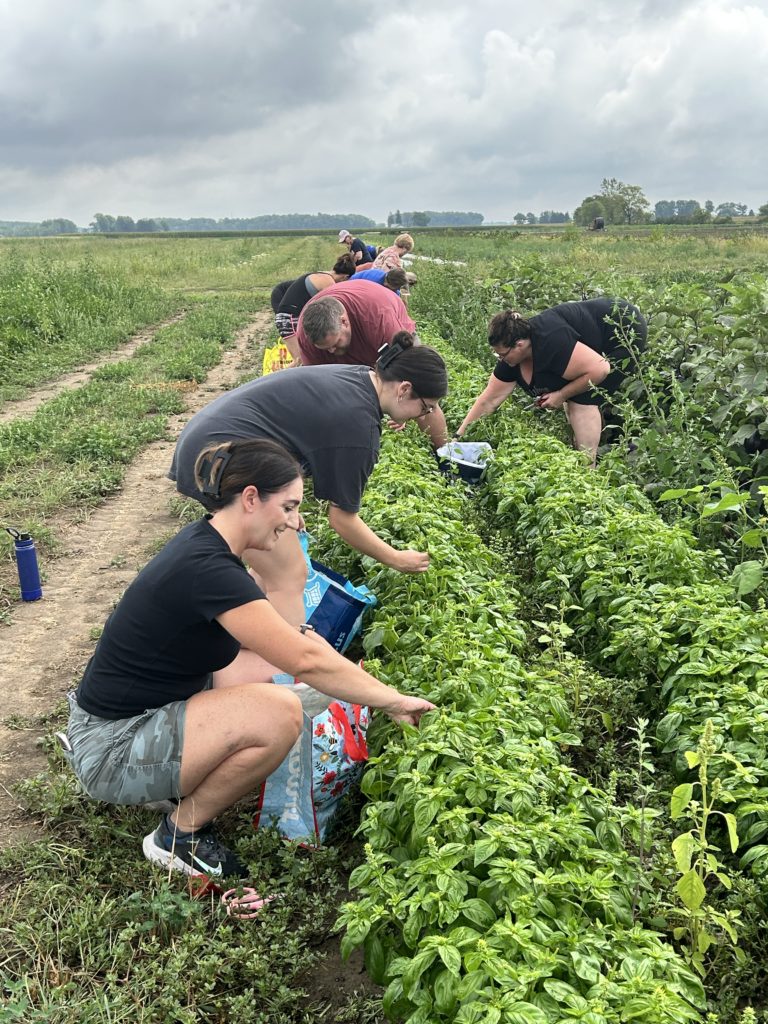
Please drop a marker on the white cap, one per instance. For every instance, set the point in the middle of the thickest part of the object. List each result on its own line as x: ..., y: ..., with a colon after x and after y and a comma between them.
x: 344, y: 234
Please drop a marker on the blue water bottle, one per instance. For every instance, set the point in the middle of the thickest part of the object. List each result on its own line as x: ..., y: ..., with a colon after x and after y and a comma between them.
x: 26, y: 560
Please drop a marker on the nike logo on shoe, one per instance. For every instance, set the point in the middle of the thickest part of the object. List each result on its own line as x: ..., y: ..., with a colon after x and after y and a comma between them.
x: 207, y: 867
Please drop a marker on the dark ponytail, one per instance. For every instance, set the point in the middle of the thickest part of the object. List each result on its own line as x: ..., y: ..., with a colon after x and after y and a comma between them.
x: 405, y: 359
x: 222, y: 471
x: 507, y: 328
x: 345, y: 265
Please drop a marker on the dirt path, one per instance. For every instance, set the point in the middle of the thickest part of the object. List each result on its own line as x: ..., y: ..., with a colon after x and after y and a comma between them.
x: 46, y: 646
x: 27, y: 406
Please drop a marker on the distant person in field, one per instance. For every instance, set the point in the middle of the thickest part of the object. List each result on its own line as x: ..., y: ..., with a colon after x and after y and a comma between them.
x: 177, y: 706
x: 392, y: 256
x: 568, y: 357
x: 398, y: 280
x: 290, y: 297
x: 362, y: 254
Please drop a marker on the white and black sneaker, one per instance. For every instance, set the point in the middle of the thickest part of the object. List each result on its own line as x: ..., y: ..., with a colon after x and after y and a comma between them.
x: 194, y: 853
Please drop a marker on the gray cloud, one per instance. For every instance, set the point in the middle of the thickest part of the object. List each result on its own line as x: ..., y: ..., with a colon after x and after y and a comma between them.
x: 222, y: 108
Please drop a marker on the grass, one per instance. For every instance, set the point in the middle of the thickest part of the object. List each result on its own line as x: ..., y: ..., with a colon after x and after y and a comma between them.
x: 74, y: 451
x: 91, y: 935
x: 65, y: 301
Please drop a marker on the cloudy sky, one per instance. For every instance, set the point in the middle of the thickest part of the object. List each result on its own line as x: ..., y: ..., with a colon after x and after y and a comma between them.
x: 240, y: 107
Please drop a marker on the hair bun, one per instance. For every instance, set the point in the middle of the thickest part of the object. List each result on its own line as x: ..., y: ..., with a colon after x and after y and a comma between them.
x: 403, y: 340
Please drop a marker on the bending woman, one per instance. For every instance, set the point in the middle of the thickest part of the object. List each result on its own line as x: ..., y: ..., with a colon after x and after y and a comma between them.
x: 169, y: 706
x: 560, y: 357
x: 330, y: 418
x: 392, y: 256
x: 289, y: 298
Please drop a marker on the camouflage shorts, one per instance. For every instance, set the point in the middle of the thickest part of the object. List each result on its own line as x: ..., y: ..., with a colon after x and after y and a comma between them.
x: 131, y: 760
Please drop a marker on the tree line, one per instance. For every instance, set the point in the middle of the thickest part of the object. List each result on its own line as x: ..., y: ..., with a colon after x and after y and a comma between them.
x: 620, y: 203
x: 434, y: 218
x: 105, y: 223
x: 32, y: 229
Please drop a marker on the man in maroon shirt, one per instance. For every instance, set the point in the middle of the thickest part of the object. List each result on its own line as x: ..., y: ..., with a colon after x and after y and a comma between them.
x: 348, y: 323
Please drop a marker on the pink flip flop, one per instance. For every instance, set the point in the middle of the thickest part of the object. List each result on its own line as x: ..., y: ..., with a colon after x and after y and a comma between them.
x: 245, y: 902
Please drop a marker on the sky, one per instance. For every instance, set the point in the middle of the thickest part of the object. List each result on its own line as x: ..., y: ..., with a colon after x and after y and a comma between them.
x: 221, y: 108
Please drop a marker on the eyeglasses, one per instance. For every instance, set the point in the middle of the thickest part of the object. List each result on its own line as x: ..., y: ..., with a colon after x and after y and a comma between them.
x: 503, y: 355
x: 426, y: 409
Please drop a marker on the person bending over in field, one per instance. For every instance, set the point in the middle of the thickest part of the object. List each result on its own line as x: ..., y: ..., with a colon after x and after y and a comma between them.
x: 177, y: 702
x: 570, y: 356
x: 397, y: 280
x: 289, y: 298
x: 330, y: 418
x: 362, y: 254
x: 392, y: 256
x: 349, y: 323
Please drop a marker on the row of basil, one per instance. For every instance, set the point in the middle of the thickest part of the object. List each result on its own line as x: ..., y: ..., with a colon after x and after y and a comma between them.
x: 641, y: 598
x: 496, y: 886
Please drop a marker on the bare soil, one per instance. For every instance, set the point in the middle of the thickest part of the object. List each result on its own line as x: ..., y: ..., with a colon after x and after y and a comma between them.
x: 47, y: 643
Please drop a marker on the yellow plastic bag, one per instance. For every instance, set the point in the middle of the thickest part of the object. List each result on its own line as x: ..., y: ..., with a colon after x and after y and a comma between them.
x: 276, y: 357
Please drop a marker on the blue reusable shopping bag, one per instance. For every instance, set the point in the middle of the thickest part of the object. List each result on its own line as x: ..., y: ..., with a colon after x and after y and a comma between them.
x: 333, y: 605
x: 301, y: 797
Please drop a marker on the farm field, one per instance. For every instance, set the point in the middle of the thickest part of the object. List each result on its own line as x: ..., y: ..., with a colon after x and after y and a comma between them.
x: 579, y: 831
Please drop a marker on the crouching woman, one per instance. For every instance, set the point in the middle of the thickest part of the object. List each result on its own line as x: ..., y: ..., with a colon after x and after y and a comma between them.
x: 177, y: 702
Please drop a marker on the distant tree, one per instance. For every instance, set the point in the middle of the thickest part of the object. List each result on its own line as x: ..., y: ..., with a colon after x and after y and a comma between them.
x: 145, y: 224
x: 668, y: 210
x: 58, y: 226
x: 390, y: 219
x: 709, y: 206
x: 751, y: 212
x: 519, y: 218
x: 701, y: 216
x: 762, y: 211
x: 591, y: 207
x: 420, y: 219
x: 531, y: 218
x: 553, y: 217
x: 398, y: 217
x: 685, y: 208
x: 124, y: 223
x: 103, y: 223
x: 731, y: 210
x: 630, y: 200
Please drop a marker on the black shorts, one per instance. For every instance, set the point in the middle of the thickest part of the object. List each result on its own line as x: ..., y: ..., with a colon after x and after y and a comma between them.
x: 631, y: 335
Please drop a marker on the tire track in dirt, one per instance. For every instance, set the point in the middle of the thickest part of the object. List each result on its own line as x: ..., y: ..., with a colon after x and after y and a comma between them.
x: 69, y: 381
x: 48, y: 643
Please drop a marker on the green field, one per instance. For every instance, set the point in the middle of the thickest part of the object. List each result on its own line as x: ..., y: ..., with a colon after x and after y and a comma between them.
x: 579, y: 832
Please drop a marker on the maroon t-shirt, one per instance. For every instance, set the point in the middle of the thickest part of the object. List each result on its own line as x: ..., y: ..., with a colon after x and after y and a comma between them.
x: 374, y: 313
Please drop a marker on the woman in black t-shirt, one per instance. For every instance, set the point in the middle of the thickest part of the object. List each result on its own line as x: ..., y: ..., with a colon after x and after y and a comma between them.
x: 560, y: 357
x: 169, y: 707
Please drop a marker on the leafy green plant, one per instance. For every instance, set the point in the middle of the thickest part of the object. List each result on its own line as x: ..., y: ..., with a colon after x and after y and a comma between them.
x: 697, y: 860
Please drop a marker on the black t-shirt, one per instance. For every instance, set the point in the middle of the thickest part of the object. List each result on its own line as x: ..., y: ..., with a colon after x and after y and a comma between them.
x: 554, y: 334
x: 358, y: 245
x: 162, y: 640
x: 328, y: 416
x: 296, y: 296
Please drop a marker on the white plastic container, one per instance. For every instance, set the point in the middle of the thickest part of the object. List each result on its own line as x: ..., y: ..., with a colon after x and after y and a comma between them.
x: 466, y: 459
